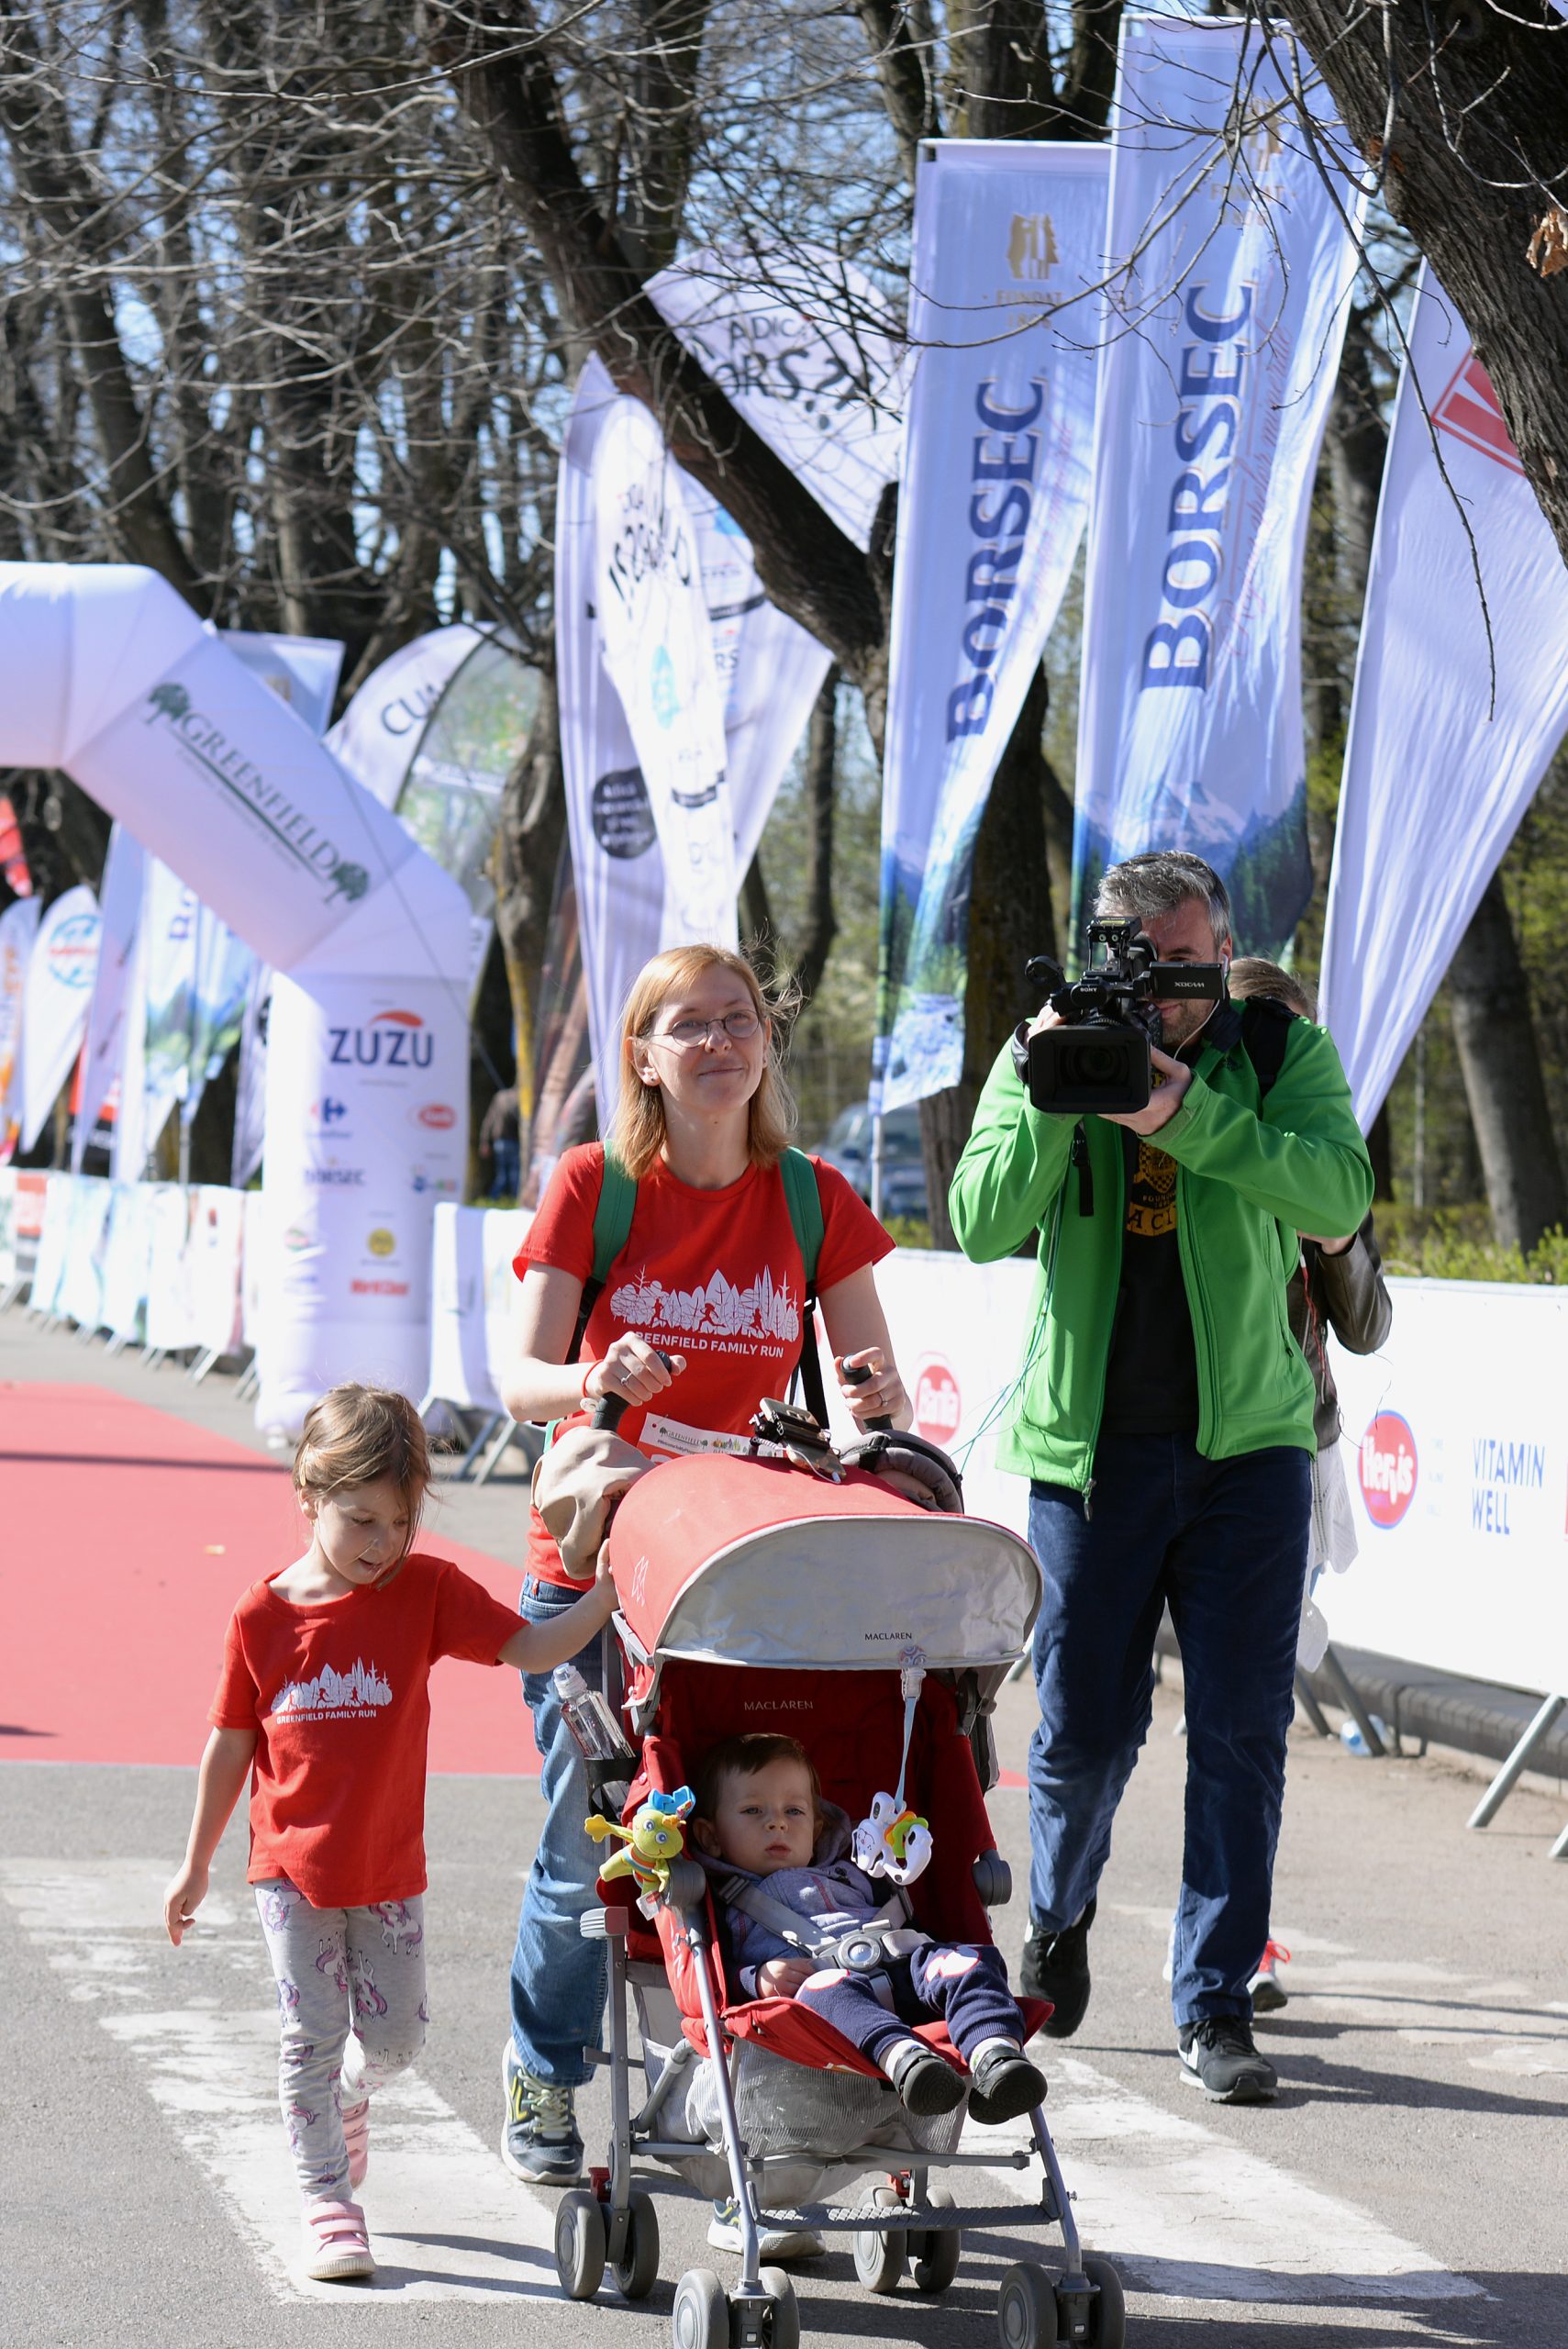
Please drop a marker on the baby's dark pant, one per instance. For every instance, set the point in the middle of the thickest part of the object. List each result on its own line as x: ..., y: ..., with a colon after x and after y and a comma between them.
x: 965, y: 1983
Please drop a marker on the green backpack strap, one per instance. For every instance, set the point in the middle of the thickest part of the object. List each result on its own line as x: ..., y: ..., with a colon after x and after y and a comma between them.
x: 804, y: 1201
x: 612, y: 1229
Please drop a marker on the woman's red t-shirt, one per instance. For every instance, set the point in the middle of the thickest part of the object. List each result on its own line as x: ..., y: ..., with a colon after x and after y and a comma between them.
x: 338, y: 1695
x: 715, y: 1276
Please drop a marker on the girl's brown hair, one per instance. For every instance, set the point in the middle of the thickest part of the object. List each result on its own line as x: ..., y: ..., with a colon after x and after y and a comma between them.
x: 356, y: 1435
x: 637, y: 1132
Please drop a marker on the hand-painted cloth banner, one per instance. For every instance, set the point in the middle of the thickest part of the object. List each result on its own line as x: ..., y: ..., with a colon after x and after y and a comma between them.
x: 1443, y: 756
x: 1224, y: 320
x: 103, y: 1055
x: 1009, y: 240
x: 57, y: 993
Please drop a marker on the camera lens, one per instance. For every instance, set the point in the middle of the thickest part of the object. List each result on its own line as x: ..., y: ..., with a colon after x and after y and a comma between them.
x: 1090, y: 1066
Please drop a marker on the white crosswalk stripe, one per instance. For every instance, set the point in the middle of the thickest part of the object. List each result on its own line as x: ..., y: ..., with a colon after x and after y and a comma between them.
x: 447, y: 2221
x: 1186, y: 2213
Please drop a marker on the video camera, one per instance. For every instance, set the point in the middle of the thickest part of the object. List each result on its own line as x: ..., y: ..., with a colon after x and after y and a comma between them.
x: 1099, y: 1062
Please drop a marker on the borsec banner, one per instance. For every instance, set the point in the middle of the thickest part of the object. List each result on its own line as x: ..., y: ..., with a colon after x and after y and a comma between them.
x: 57, y: 994
x: 1224, y: 322
x: 1439, y: 769
x: 800, y: 342
x: 659, y: 652
x: 1007, y: 239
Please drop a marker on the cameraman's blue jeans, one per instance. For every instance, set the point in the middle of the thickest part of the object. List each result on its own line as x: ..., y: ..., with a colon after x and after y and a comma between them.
x: 558, y: 1979
x: 1224, y: 1543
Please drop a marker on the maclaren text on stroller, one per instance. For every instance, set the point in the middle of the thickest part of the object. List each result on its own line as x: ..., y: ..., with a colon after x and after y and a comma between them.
x: 763, y: 1593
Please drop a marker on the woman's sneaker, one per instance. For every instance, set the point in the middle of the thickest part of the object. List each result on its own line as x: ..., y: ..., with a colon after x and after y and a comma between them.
x: 357, y: 2138
x: 924, y: 2082
x: 1217, y: 2056
x: 774, y: 2242
x: 337, y: 2248
x: 540, y: 2141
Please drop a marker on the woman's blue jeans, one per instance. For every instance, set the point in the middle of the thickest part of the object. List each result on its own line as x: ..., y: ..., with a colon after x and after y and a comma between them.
x: 1224, y: 1543
x: 558, y: 1979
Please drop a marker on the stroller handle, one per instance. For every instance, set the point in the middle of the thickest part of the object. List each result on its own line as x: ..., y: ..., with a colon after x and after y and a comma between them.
x: 881, y: 1424
x: 611, y: 1409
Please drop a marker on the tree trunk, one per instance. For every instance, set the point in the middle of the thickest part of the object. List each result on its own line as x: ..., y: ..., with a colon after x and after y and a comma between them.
x: 1492, y: 1029
x: 531, y: 827
x: 1011, y: 885
x: 821, y: 924
x: 1479, y: 109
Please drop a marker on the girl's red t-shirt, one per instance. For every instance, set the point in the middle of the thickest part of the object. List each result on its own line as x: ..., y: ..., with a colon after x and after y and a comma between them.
x: 715, y: 1276
x: 338, y: 1695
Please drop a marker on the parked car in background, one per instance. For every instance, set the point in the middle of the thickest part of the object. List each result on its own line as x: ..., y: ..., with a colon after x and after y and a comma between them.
x: 846, y: 1146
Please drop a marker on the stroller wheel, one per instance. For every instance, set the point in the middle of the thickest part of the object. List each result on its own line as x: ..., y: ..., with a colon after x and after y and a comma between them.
x: 879, y: 2258
x: 784, y: 2311
x: 935, y: 2254
x: 1026, y: 2313
x: 579, y: 2244
x: 637, y: 2270
x: 1107, y: 2315
x: 700, y: 2318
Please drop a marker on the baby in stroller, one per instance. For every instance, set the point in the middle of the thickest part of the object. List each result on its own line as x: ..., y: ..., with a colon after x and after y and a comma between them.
x: 803, y: 1922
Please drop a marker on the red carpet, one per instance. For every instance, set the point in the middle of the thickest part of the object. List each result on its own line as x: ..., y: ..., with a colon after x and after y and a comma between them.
x: 125, y: 1537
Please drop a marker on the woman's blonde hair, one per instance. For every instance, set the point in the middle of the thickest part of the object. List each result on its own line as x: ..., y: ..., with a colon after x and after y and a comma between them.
x: 356, y: 1435
x: 637, y: 1132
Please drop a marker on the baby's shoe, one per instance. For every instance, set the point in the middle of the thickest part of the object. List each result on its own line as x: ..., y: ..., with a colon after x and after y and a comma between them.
x: 923, y: 2081
x: 1002, y: 2083
x: 356, y: 2137
x: 337, y: 2248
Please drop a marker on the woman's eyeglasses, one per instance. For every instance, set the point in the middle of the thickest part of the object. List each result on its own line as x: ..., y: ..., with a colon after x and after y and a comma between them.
x: 687, y: 1034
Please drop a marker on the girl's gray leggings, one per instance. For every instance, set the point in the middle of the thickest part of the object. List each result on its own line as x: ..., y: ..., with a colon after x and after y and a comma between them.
x: 351, y: 2005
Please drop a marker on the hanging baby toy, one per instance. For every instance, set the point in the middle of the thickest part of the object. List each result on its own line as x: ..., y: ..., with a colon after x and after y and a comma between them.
x: 894, y: 1841
x: 650, y: 1846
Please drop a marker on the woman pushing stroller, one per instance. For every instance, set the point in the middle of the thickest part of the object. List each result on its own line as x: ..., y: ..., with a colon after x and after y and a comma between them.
x: 697, y: 1317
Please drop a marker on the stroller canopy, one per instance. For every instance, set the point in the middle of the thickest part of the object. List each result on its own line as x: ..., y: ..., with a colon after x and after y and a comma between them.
x: 719, y: 1558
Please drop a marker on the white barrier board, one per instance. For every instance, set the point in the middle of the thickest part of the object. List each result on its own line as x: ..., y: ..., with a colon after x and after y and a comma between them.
x: 1456, y: 1451
x: 474, y: 1301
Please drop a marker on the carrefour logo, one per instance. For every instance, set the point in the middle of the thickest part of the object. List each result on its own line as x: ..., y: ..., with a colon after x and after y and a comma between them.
x: 1388, y: 1468
x: 391, y: 1040
x: 73, y: 952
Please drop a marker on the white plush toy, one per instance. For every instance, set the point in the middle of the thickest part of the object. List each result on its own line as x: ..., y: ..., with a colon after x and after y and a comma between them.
x: 895, y: 1841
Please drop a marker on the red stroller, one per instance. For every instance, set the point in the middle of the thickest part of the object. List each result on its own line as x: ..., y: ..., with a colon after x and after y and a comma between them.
x: 757, y: 1594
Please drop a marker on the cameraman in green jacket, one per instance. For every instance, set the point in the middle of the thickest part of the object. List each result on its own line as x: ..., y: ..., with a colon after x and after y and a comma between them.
x: 1163, y: 1415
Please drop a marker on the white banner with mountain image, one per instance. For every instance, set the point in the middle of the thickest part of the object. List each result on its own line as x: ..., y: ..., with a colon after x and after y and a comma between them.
x: 1224, y: 319
x: 1008, y: 241
x: 1456, y: 712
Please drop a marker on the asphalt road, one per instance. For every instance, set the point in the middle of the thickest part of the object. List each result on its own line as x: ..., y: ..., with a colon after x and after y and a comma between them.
x: 1409, y: 2185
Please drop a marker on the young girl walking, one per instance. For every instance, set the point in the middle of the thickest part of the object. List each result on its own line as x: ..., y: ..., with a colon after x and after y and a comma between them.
x: 324, y: 1694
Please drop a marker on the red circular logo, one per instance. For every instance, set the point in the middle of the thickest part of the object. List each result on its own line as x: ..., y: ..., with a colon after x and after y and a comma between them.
x: 440, y: 1116
x: 938, y: 1406
x: 1388, y: 1467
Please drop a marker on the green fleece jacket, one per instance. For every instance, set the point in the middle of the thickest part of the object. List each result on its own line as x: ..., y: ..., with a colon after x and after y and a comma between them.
x: 1248, y: 1180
